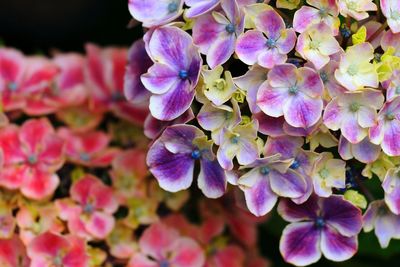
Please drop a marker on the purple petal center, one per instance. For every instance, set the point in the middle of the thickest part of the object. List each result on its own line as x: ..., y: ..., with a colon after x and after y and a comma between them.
x: 183, y: 74
x: 293, y: 90
x: 271, y: 43
x: 295, y: 165
x: 264, y: 170
x: 172, y: 7
x: 230, y: 28
x: 12, y: 86
x: 324, y: 77
x: 319, y: 222
x: 164, y: 263
x: 196, y: 154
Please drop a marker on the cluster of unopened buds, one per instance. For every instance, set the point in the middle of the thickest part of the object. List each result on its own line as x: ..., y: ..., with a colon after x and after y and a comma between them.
x: 289, y: 100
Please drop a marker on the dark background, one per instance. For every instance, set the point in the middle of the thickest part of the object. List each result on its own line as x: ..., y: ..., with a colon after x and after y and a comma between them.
x: 40, y: 26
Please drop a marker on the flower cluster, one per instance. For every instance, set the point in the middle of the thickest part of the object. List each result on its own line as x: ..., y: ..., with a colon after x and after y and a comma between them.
x: 296, y: 101
x: 75, y: 190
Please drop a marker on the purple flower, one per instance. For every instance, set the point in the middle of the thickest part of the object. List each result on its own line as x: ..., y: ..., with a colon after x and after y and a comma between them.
x: 385, y: 223
x: 200, y: 7
x: 216, y: 33
x: 327, y: 226
x: 386, y: 131
x: 134, y: 89
x: 174, y: 75
x: 294, y: 93
x: 269, y: 44
x: 269, y: 178
x: 172, y: 158
x: 155, y: 12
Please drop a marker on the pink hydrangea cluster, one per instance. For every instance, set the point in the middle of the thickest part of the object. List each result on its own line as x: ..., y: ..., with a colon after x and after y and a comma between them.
x: 75, y: 190
x: 296, y: 102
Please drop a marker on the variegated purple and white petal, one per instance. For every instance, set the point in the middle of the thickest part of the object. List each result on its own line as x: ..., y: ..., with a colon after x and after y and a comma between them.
x: 293, y: 212
x: 200, y: 7
x: 290, y: 184
x: 337, y: 247
x: 212, y: 180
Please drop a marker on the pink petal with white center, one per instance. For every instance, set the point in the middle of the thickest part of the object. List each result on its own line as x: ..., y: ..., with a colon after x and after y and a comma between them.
x: 249, y: 45
x: 390, y: 144
x: 33, y: 132
x: 12, y: 177
x: 205, y: 31
x: 299, y: 244
x: 187, y: 253
x: 282, y: 76
x: 100, y: 224
x: 270, y: 23
x: 304, y: 17
x: 157, y: 240
x: 270, y: 99
x: 39, y: 184
x: 309, y: 82
x: 271, y: 57
x: 376, y: 133
x: 302, y: 111
x: 13, y: 252
x: 351, y: 130
x: 286, y: 42
x: 337, y: 247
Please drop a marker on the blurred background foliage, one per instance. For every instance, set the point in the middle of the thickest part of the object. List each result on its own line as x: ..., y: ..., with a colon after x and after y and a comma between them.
x: 44, y: 26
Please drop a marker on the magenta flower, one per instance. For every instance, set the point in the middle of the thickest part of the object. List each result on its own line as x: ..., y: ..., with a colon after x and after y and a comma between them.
x: 89, y: 211
x: 162, y: 246
x: 49, y: 249
x: 327, y: 226
x: 174, y: 75
x: 32, y: 155
x: 172, y: 158
x: 391, y: 10
x: 385, y: 223
x: 216, y: 33
x: 326, y: 11
x: 364, y: 151
x: 268, y: 179
x: 353, y: 113
x: 269, y: 44
x: 13, y: 252
x: 386, y: 131
x: 200, y: 7
x: 134, y: 89
x: 294, y: 93
x: 155, y: 12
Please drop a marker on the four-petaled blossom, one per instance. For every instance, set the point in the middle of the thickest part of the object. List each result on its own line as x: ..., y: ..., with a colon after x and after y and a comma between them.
x: 391, y: 10
x: 155, y: 12
x: 386, y: 131
x: 174, y: 75
x: 269, y: 44
x: 162, y: 246
x: 328, y: 173
x: 316, y: 44
x: 353, y: 113
x: 326, y: 11
x: 49, y: 249
x: 216, y: 33
x: 269, y: 178
x: 357, y: 9
x: 89, y: 211
x: 172, y: 157
x: 239, y: 142
x: 386, y: 224
x: 327, y: 226
x: 32, y: 155
x: 294, y: 93
x: 355, y: 70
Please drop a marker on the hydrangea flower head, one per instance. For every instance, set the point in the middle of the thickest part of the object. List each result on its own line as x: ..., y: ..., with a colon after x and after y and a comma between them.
x: 155, y: 12
x: 174, y: 75
x: 327, y: 226
x: 172, y: 157
x: 295, y: 93
x: 269, y: 44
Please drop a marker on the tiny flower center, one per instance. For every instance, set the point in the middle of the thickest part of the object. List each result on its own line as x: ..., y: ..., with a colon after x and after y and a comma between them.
x: 271, y: 43
x: 293, y: 90
x: 390, y: 116
x: 220, y: 84
x: 354, y: 107
x: 12, y: 86
x: 88, y: 208
x: 164, y: 263
x: 324, y: 173
x: 314, y: 45
x: 395, y: 15
x: 196, y: 154
x: 183, y: 74
x: 319, y: 222
x: 32, y: 159
x: 172, y: 7
x: 230, y: 28
x: 324, y: 77
x: 84, y: 156
x: 352, y: 5
x: 323, y: 12
x: 398, y: 89
x: 295, y: 165
x: 228, y: 115
x: 235, y: 140
x: 352, y: 70
x: 117, y: 96
x: 264, y: 170
x: 57, y: 261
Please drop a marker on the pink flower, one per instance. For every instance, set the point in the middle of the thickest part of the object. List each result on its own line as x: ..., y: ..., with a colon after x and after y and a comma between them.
x: 32, y: 154
x: 49, y: 249
x: 269, y: 44
x: 161, y: 245
x: 356, y: 9
x: 88, y: 149
x: 13, y: 253
x: 89, y: 211
x: 294, y: 93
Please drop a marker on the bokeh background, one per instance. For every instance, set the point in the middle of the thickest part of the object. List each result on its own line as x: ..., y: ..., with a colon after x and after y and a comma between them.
x: 44, y: 26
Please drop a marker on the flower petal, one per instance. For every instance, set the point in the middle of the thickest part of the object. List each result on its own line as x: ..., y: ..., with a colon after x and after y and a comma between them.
x: 337, y: 247
x: 212, y: 180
